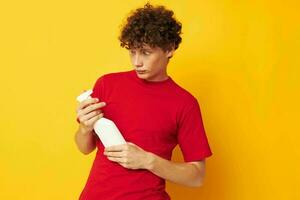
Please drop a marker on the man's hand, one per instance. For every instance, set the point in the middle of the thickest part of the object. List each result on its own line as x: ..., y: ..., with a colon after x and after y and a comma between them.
x: 128, y: 155
x: 88, y: 112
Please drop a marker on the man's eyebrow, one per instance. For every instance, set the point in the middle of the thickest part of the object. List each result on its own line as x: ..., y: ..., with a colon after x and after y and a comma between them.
x: 145, y: 48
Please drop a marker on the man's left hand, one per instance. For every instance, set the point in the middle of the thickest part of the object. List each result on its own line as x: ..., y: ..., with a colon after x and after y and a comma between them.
x: 128, y: 155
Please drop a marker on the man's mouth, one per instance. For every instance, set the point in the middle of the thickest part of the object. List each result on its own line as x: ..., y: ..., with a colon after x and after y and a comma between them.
x: 141, y: 71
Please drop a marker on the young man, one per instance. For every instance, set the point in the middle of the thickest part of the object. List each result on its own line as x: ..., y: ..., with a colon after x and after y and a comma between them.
x: 152, y: 112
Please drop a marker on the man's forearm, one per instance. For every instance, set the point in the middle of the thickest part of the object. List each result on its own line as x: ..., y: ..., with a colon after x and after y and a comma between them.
x: 181, y: 173
x: 85, y: 141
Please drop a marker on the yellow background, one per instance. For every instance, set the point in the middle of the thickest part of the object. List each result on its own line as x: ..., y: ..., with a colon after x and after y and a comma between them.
x: 239, y: 58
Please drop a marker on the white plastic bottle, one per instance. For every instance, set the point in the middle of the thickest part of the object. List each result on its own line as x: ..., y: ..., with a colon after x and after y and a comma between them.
x: 106, y: 129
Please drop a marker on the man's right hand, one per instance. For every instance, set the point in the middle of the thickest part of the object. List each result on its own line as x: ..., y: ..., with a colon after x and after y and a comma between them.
x: 88, y: 112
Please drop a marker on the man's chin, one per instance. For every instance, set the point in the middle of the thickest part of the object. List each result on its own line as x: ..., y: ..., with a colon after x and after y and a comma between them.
x: 142, y: 75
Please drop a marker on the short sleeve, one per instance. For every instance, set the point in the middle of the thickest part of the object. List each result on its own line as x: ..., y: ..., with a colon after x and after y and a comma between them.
x: 191, y: 134
x: 98, y: 90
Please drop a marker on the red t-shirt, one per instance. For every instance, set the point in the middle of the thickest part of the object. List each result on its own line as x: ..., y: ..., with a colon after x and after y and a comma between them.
x: 156, y: 116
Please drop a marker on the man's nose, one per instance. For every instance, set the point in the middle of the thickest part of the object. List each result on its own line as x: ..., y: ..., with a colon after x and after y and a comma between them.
x: 137, y: 61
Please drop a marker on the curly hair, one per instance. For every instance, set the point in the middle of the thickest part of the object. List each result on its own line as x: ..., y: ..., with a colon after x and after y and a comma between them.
x: 154, y: 26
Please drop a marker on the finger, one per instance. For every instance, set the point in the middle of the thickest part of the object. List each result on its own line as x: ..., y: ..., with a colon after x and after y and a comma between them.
x: 89, y: 108
x: 91, y: 115
x: 82, y: 114
x: 117, y: 154
x: 119, y: 160
x: 115, y: 148
x: 92, y: 120
x: 87, y: 102
x: 93, y: 107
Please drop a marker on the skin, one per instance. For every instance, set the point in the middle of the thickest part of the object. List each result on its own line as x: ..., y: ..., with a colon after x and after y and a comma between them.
x: 153, y: 60
x: 130, y: 155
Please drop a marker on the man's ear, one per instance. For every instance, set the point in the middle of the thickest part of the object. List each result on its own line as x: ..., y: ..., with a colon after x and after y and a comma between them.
x: 170, y: 52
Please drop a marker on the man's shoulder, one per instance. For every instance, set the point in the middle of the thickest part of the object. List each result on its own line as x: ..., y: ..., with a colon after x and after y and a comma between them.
x: 187, y: 101
x: 113, y: 76
x: 184, y: 93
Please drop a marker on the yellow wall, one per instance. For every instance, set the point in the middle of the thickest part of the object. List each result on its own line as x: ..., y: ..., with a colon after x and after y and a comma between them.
x: 239, y: 58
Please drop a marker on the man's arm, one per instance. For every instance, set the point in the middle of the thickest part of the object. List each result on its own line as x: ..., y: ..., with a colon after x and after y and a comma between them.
x: 88, y: 112
x: 188, y: 173
x: 85, y: 141
x: 131, y: 156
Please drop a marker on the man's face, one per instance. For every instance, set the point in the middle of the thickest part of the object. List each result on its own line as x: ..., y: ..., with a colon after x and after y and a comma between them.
x: 150, y: 63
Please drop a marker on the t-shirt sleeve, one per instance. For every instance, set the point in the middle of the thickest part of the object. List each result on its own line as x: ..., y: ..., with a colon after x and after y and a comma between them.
x: 191, y: 134
x: 97, y: 90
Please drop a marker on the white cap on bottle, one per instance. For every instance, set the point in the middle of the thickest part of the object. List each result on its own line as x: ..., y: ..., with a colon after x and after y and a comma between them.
x: 84, y: 95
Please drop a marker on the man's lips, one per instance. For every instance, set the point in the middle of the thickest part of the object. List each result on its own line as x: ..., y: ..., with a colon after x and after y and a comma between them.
x: 141, y: 71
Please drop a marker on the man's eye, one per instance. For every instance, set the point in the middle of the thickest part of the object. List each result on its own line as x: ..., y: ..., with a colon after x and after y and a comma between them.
x: 146, y: 53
